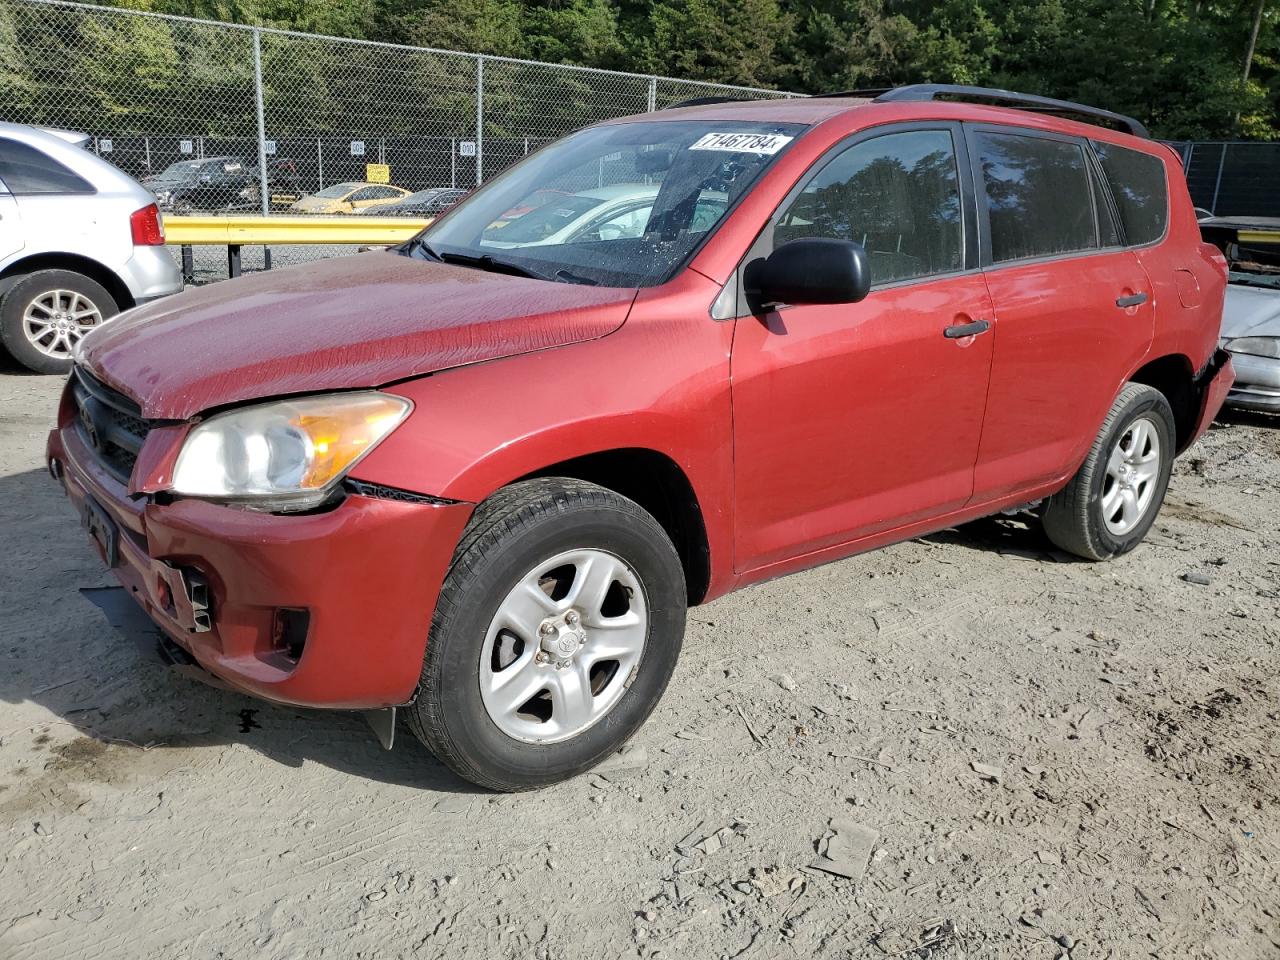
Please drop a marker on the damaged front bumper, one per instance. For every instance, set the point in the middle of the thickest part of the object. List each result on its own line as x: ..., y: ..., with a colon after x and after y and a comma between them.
x: 327, y: 609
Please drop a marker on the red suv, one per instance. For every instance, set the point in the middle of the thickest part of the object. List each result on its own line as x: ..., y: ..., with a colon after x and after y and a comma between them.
x: 480, y: 478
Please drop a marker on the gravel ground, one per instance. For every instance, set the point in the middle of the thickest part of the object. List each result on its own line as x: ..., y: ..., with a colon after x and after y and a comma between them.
x: 1045, y: 758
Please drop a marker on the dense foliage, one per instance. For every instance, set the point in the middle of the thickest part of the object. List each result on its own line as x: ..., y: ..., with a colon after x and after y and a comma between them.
x: 1180, y: 65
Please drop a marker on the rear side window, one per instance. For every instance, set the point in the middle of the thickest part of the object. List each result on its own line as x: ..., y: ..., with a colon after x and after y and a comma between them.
x: 1138, y: 184
x: 25, y: 170
x: 1038, y: 196
x: 898, y: 195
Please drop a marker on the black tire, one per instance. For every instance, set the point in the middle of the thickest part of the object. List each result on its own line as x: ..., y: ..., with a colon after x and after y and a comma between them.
x: 29, y: 289
x: 1073, y: 518
x: 510, y: 534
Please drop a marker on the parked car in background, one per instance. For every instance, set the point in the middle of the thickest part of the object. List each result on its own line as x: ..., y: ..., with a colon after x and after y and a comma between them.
x: 351, y: 197
x: 1251, y: 314
x: 217, y: 184
x: 618, y: 212
x: 482, y: 485
x: 79, y: 242
x: 424, y: 203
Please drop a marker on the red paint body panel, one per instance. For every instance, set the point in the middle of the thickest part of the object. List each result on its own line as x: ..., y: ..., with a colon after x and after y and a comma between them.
x: 806, y: 435
x: 356, y: 321
x: 1061, y: 347
x: 856, y: 418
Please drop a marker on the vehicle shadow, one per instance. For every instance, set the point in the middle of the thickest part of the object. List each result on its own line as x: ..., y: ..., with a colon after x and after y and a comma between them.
x: 1015, y: 536
x: 77, y: 644
x: 1232, y: 416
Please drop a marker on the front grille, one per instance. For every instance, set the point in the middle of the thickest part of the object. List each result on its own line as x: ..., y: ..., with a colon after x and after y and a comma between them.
x: 109, y: 423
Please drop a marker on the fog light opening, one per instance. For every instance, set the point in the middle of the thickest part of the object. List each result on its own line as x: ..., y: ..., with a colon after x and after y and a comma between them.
x: 289, y: 631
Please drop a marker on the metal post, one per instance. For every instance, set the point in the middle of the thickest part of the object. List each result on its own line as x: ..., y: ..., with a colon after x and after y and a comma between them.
x: 526, y: 146
x: 320, y: 162
x: 382, y: 150
x: 1222, y: 162
x: 188, y: 264
x: 262, y: 124
x: 146, y: 147
x: 453, y: 162
x: 479, y: 120
x: 233, y: 260
x: 653, y: 94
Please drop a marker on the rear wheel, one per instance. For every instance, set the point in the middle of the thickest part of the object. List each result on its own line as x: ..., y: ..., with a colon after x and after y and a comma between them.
x: 46, y: 313
x: 1114, y: 497
x: 557, y: 629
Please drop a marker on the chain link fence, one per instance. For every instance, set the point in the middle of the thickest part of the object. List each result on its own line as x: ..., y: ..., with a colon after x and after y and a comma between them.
x: 294, y: 114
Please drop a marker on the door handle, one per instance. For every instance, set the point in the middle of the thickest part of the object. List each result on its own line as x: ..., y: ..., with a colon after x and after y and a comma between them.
x: 1132, y: 300
x: 970, y: 329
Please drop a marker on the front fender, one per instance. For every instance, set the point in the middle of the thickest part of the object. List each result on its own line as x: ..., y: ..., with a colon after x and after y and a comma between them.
x: 660, y: 383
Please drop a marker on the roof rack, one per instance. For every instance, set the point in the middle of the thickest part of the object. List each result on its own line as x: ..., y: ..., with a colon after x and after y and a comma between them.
x: 701, y: 102
x: 920, y: 92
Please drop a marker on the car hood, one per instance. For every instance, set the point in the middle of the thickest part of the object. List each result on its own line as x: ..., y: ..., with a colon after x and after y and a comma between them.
x: 1251, y: 311
x: 357, y: 321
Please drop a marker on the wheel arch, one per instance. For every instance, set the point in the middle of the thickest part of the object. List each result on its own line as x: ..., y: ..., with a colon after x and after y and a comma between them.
x: 1174, y: 376
x: 659, y: 485
x: 76, y: 263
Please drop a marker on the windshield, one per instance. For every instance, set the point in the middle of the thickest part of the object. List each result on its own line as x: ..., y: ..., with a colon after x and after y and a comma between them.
x: 336, y: 191
x: 1250, y: 279
x: 621, y: 204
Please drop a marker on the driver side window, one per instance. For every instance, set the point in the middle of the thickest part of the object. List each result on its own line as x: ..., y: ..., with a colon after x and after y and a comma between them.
x: 898, y: 195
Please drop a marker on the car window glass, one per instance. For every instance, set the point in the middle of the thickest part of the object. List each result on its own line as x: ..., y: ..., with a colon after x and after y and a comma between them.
x: 26, y: 170
x: 368, y: 193
x: 1138, y: 183
x: 384, y: 193
x: 619, y: 225
x: 898, y: 195
x: 1037, y: 196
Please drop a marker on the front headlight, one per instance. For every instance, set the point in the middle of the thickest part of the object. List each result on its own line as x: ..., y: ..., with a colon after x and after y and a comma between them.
x: 286, y: 455
x: 1255, y: 346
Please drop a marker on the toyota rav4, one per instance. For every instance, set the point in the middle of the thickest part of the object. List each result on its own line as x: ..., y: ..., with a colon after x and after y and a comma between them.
x: 479, y: 478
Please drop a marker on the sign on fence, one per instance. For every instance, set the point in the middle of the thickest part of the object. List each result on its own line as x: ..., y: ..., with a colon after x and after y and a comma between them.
x: 466, y: 148
x: 185, y: 146
x: 357, y: 148
x: 269, y: 147
x: 377, y: 173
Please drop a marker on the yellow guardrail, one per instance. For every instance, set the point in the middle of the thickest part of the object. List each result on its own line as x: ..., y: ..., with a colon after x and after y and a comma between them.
x: 1258, y: 236
x: 236, y: 232
x: 245, y: 231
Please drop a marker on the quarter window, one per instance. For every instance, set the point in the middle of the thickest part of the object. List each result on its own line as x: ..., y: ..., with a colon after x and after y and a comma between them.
x: 25, y: 170
x: 898, y: 195
x: 1138, y: 184
x: 1038, y: 196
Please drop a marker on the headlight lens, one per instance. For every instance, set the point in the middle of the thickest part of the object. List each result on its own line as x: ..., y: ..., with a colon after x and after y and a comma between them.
x: 1255, y: 346
x: 286, y: 455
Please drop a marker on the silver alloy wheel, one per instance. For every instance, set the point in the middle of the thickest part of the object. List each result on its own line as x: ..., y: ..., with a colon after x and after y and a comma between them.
x: 561, y: 650
x: 56, y: 320
x: 1132, y: 471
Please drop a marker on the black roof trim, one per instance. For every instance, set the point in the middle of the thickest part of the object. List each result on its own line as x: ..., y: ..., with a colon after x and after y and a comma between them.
x: 922, y: 92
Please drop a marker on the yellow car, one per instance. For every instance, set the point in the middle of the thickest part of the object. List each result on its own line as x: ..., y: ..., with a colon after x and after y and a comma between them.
x: 349, y: 197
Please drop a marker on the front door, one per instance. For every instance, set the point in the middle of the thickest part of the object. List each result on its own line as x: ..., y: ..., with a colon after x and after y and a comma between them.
x: 857, y: 418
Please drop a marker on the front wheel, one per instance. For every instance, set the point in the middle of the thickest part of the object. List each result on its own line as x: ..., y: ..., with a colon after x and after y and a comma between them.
x: 1111, y: 502
x: 557, y: 629
x: 46, y: 313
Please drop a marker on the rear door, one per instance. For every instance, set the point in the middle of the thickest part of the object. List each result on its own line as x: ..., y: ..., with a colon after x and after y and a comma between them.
x: 1073, y: 308
x: 851, y: 419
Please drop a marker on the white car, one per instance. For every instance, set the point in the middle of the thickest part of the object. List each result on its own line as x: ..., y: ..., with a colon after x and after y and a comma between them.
x: 79, y: 241
x: 617, y: 212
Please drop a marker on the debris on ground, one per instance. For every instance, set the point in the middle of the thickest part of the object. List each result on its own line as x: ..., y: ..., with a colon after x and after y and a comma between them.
x: 845, y: 849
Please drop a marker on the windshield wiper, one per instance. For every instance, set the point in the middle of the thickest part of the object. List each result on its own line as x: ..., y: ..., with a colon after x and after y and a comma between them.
x: 419, y: 244
x: 488, y: 263
x: 569, y: 276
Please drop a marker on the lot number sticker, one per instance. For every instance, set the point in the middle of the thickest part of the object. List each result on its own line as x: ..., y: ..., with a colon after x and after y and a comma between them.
x: 466, y: 148
x: 763, y: 143
x: 357, y: 148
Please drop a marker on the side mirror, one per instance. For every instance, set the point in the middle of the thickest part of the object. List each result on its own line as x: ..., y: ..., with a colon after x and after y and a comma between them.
x: 810, y: 270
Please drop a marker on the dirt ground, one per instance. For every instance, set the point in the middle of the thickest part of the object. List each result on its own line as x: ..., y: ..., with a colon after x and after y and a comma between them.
x: 1047, y: 759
